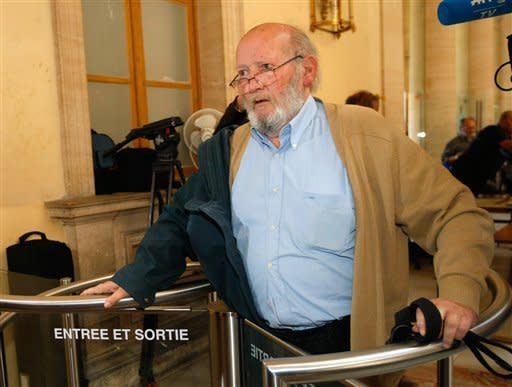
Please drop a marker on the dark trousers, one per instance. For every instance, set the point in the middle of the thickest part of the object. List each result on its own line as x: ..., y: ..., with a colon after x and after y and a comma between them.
x: 329, y: 338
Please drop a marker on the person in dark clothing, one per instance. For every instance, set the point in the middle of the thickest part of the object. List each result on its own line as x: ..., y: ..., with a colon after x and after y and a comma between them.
x: 459, y: 144
x: 234, y: 114
x: 486, y: 155
x: 364, y: 98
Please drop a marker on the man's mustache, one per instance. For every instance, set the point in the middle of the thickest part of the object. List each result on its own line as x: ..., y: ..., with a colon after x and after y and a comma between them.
x: 250, y: 101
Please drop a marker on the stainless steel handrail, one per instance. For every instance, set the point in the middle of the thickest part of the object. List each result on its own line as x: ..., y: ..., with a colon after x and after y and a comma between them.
x: 357, y: 364
x: 282, y: 371
x: 53, y: 300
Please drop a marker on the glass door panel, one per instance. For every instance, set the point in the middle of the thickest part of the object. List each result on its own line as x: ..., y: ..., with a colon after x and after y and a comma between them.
x: 112, y: 357
x: 109, y: 351
x: 105, y: 37
x: 110, y: 109
x: 108, y: 344
x: 164, y: 26
x: 164, y: 103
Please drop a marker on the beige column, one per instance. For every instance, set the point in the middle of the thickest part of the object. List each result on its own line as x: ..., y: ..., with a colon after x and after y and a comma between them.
x: 482, y: 65
x: 210, y: 43
x: 440, y: 81
x: 74, y: 106
x: 462, y: 66
x: 233, y: 28
x: 393, y: 62
x: 416, y: 69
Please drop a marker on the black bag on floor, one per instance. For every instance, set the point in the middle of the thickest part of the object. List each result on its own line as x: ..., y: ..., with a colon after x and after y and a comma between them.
x: 35, y: 266
x: 41, y: 257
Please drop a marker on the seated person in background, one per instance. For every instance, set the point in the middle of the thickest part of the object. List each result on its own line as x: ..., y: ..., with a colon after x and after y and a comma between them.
x: 364, y: 98
x: 300, y: 219
x: 459, y: 144
x: 485, y: 156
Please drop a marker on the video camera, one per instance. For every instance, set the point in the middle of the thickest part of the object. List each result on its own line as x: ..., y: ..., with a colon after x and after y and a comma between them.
x: 163, y: 134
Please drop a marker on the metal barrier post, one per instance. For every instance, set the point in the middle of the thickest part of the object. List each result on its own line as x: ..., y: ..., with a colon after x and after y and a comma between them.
x: 3, y: 370
x: 70, y: 346
x: 445, y: 372
x: 213, y: 297
x: 389, y: 358
x: 224, y: 346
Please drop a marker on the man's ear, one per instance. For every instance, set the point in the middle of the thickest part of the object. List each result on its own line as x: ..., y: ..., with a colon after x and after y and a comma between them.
x: 310, y: 65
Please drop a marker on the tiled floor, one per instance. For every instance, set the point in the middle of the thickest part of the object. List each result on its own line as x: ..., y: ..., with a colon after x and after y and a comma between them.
x: 467, y: 371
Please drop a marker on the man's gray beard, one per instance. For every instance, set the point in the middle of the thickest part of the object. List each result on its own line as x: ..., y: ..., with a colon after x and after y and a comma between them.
x: 271, y: 126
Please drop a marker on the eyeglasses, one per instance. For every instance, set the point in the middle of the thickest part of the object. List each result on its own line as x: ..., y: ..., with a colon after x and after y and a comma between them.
x: 264, y: 77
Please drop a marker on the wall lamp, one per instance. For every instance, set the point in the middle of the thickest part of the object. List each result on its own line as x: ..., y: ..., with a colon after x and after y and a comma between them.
x: 326, y: 15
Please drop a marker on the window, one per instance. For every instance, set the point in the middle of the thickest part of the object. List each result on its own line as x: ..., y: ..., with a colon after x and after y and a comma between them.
x: 141, y: 62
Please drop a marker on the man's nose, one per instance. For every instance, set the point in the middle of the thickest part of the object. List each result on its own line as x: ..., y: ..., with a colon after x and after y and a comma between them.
x: 253, y: 84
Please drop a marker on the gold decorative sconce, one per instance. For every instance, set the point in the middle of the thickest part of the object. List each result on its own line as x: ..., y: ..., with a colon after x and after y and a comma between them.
x: 326, y: 15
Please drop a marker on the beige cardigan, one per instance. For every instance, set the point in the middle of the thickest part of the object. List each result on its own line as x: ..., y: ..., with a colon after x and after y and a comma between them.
x: 400, y: 191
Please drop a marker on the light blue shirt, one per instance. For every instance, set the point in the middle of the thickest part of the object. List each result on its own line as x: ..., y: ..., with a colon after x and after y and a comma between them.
x: 294, y: 223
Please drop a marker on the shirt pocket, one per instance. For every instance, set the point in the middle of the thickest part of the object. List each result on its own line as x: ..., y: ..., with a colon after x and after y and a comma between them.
x: 328, y: 222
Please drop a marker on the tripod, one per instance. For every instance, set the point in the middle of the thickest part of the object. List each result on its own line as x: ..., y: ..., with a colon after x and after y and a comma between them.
x: 163, y: 166
x: 166, y: 140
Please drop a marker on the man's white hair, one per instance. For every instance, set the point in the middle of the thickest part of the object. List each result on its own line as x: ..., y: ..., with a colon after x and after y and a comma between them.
x: 302, y: 45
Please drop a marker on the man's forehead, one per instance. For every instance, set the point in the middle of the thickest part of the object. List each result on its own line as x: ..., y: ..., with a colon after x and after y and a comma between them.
x: 258, y: 49
x: 255, y: 60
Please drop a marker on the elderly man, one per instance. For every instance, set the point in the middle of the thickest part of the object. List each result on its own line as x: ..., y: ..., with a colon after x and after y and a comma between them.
x: 459, y: 144
x: 300, y: 218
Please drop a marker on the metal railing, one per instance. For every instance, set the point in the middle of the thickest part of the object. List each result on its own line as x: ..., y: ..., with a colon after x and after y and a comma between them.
x: 277, y: 372
x: 57, y: 300
x: 61, y: 302
x: 358, y: 364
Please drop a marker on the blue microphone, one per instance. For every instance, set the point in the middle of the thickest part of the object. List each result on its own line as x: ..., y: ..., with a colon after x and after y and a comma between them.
x: 460, y: 11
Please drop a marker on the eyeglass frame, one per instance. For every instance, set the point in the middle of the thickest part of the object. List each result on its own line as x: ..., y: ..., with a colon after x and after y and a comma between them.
x: 236, y: 78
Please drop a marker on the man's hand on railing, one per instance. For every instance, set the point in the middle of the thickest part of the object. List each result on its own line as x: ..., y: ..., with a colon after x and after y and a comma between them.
x: 108, y: 287
x: 457, y: 320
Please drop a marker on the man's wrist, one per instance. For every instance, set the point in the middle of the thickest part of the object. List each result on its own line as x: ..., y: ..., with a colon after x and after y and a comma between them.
x: 461, y: 289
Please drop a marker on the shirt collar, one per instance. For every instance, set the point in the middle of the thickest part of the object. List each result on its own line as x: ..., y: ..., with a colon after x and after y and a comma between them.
x: 293, y: 131
x: 301, y: 122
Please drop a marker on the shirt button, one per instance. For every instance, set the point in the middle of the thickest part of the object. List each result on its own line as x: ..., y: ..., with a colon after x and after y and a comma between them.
x: 273, y: 227
x: 294, y: 146
x: 275, y: 189
x: 276, y: 155
x: 269, y: 266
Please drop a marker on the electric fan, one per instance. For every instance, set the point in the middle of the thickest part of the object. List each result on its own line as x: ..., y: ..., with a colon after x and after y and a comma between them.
x: 198, y: 128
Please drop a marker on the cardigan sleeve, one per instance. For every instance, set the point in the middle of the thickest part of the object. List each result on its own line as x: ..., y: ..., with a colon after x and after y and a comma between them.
x: 160, y: 258
x: 440, y: 214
